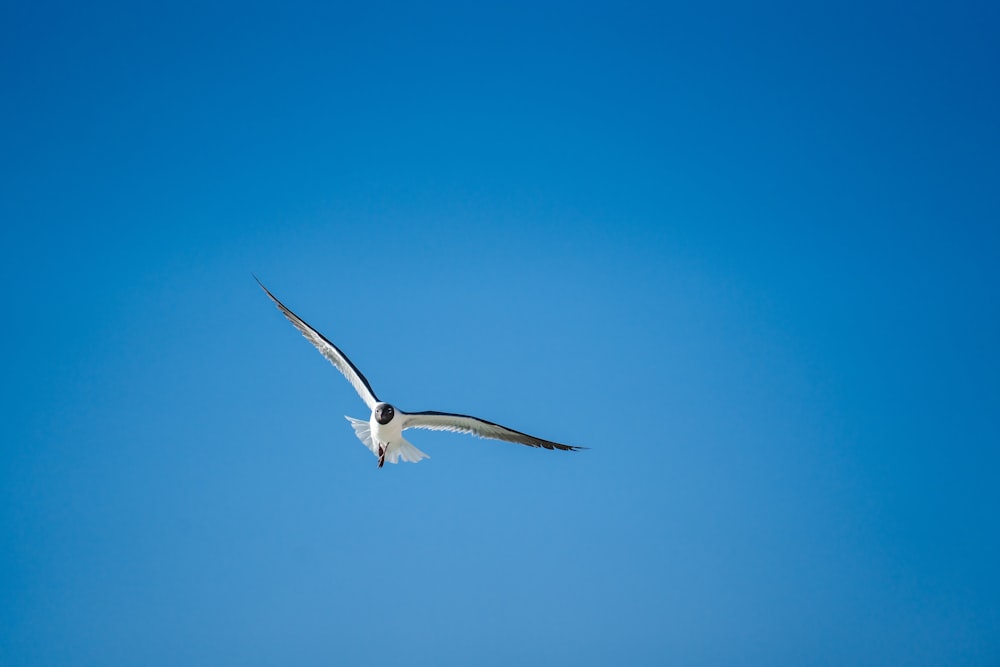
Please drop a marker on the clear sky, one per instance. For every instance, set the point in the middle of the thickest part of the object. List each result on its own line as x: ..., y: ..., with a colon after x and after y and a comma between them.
x: 747, y: 254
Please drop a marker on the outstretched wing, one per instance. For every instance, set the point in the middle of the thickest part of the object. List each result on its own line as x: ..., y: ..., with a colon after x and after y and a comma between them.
x: 446, y: 421
x: 328, y: 350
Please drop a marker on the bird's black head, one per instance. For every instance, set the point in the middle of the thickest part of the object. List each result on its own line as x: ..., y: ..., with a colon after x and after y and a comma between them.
x: 384, y: 413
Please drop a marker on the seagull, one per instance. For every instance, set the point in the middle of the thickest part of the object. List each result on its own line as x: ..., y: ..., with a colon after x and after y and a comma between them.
x: 382, y: 433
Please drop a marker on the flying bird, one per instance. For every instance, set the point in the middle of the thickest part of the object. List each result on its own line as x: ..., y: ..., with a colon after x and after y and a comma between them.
x: 382, y: 433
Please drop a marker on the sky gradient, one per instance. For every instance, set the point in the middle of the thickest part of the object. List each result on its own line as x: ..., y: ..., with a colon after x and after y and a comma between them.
x: 747, y: 255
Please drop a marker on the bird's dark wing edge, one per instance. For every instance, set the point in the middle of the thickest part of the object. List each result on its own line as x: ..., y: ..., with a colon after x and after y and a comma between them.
x: 328, y: 350
x: 450, y: 421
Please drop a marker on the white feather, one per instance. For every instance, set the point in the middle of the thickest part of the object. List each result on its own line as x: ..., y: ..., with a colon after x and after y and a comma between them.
x: 398, y: 448
x: 364, y: 432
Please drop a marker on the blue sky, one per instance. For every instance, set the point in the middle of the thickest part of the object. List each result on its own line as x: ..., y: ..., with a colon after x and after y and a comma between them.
x: 748, y: 255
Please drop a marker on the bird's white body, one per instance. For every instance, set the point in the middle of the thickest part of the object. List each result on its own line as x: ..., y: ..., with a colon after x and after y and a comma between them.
x: 387, y: 438
x: 386, y: 434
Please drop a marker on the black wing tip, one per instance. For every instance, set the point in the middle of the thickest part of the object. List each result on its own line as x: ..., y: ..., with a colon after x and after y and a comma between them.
x: 285, y: 309
x: 266, y: 291
x: 567, y: 448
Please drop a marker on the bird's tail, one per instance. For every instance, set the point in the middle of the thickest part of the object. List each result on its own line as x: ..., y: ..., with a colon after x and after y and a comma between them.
x: 400, y: 449
x: 364, y: 432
